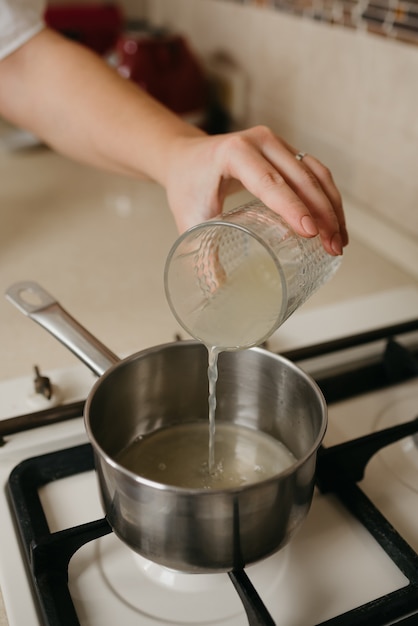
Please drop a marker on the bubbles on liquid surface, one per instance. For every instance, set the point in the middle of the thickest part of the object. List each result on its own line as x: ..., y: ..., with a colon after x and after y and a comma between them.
x: 178, y: 456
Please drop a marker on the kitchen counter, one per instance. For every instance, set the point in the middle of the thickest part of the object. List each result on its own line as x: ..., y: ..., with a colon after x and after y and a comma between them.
x: 98, y: 243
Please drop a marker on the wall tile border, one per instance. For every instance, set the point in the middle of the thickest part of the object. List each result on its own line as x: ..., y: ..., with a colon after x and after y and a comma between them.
x: 394, y: 19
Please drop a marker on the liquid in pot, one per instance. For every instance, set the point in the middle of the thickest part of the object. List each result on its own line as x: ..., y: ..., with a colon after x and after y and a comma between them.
x: 178, y: 456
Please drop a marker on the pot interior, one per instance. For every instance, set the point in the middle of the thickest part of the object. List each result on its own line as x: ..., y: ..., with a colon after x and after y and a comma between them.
x: 168, y: 385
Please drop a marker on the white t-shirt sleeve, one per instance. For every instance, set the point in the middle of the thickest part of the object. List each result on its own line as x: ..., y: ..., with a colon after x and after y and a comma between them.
x: 19, y: 21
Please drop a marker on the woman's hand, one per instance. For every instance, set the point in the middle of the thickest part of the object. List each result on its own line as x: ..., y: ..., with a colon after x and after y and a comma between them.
x: 203, y: 170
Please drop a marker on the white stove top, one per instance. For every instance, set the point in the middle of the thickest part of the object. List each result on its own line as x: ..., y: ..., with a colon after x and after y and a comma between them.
x: 331, y: 566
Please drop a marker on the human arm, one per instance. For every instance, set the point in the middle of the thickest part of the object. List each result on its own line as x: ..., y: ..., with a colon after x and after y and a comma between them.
x: 69, y: 97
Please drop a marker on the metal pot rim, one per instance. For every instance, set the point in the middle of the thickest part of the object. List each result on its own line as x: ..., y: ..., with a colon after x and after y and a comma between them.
x: 201, y: 491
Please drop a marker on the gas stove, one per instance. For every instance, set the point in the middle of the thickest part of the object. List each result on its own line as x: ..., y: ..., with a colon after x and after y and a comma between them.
x: 353, y: 562
x: 87, y: 237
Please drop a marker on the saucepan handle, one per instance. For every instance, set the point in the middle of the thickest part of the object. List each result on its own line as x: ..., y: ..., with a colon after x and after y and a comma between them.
x: 40, y: 306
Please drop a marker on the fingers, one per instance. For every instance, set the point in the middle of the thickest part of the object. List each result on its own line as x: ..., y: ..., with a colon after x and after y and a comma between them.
x: 301, y: 190
x: 314, y: 185
x: 324, y: 176
x: 247, y: 163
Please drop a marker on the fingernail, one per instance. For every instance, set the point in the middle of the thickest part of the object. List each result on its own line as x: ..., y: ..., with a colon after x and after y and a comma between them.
x: 337, y: 244
x: 309, y: 225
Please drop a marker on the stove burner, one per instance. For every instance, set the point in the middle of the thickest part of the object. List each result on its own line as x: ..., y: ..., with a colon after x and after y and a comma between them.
x: 48, y: 554
x: 401, y: 457
x: 175, y: 597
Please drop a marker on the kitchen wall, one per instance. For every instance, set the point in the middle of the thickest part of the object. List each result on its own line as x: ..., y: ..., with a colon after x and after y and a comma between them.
x: 346, y: 95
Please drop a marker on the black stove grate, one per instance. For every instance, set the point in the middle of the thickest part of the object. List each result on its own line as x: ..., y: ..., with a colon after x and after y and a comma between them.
x: 339, y: 473
x: 47, y: 554
x: 339, y: 470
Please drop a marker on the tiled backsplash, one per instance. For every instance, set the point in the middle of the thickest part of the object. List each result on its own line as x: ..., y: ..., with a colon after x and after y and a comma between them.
x: 397, y: 19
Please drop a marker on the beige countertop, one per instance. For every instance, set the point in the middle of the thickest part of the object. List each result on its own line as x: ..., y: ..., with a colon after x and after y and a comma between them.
x: 98, y: 243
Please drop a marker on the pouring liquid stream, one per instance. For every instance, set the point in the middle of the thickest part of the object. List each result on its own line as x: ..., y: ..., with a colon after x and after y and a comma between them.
x: 254, y: 287
x: 238, y: 455
x: 213, y: 353
x: 239, y: 316
x: 231, y: 454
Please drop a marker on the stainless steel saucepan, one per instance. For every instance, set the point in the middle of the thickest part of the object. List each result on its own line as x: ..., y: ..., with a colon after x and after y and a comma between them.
x: 193, y: 530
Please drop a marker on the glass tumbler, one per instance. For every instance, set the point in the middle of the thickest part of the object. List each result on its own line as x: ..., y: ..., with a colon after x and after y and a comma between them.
x: 233, y: 280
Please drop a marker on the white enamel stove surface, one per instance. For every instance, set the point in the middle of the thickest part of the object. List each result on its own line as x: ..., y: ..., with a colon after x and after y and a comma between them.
x: 332, y: 564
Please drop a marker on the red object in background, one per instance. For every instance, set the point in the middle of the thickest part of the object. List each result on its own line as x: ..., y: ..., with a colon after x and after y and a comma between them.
x: 164, y: 66
x: 96, y: 26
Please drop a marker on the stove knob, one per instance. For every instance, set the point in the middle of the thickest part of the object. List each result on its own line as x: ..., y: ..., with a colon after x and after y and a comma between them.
x: 44, y: 394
